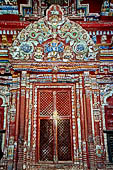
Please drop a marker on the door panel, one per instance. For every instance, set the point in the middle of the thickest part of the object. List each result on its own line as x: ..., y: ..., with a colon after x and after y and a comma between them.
x: 46, y: 140
x: 64, y: 140
x: 46, y: 103
x: 63, y: 102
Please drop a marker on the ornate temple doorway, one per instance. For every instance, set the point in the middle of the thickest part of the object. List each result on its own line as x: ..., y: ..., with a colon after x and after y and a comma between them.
x: 54, y: 123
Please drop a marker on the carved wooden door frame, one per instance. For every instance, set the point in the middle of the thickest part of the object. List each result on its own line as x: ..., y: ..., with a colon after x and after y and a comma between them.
x: 58, y: 116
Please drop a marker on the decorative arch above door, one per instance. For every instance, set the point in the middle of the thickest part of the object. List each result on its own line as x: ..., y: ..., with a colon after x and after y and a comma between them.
x: 53, y: 38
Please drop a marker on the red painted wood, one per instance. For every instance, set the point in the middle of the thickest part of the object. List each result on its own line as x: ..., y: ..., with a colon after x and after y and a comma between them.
x: 94, y: 7
x: 1, y: 101
x: 11, y: 17
x: 1, y: 117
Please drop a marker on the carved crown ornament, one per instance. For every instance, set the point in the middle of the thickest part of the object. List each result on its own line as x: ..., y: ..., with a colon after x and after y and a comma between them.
x: 53, y: 38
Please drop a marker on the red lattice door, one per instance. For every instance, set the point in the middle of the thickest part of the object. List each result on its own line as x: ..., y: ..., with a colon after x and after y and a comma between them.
x: 54, y: 137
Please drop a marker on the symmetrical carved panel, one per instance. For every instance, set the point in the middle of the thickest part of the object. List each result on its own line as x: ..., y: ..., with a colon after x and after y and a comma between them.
x: 53, y: 38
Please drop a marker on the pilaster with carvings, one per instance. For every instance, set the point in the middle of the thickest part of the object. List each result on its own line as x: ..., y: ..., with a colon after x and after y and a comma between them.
x: 98, y: 128
x: 5, y: 95
x: 21, y: 120
x: 88, y: 118
x: 83, y: 123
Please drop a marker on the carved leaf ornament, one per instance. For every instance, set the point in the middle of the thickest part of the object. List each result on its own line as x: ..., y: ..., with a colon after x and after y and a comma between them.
x: 53, y: 38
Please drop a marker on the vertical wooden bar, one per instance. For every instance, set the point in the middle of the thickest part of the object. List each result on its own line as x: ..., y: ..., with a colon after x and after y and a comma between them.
x: 84, y: 125
x: 22, y: 120
x: 82, y: 117
x: 26, y: 149
x: 17, y: 122
x: 88, y: 120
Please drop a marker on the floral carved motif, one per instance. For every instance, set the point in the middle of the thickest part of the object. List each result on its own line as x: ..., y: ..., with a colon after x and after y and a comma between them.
x: 53, y: 38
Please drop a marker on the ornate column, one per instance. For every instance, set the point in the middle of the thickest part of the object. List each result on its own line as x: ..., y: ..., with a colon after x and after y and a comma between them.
x: 29, y: 156
x: 22, y: 120
x: 84, y: 127
x: 79, y: 125
x: 89, y: 121
x: 98, y: 129
x: 4, y: 96
x: 17, y: 120
x: 12, y: 122
x: 26, y: 147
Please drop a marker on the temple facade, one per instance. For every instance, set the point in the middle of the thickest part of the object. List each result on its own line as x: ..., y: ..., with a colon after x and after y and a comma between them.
x: 56, y: 85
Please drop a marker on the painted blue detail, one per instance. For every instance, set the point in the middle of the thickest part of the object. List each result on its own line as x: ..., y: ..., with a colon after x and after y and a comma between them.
x: 67, y: 39
x: 8, y: 7
x: 2, y: 12
x: 104, y: 47
x: 85, y: 9
x: 53, y: 47
x: 94, y: 38
x: 78, y: 70
x: 40, y: 39
x: 50, y: 70
x: 24, y: 69
x: 4, y: 61
x: 27, y: 10
x: 80, y: 47
x: 26, y: 48
x: 106, y: 60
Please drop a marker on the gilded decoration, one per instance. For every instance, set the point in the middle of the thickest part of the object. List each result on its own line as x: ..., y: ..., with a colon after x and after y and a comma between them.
x: 53, y: 38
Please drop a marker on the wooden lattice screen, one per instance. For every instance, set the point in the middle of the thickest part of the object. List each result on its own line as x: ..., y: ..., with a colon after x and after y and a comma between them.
x: 54, y: 110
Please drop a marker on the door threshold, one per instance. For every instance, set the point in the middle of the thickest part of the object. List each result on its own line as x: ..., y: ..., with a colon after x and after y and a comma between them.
x: 55, y: 164
x: 63, y: 166
x: 59, y: 165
